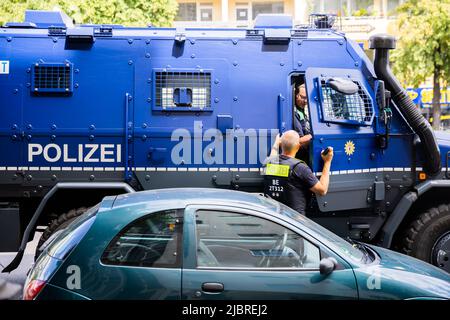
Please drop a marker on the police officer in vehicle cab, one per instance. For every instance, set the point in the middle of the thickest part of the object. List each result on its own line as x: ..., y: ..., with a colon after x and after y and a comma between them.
x: 290, y: 180
x: 301, y: 121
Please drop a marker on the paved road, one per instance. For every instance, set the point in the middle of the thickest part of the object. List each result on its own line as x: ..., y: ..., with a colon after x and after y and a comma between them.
x: 19, y: 275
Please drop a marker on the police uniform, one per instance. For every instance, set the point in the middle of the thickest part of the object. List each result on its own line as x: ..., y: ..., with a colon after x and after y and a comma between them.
x: 288, y: 180
x: 301, y: 123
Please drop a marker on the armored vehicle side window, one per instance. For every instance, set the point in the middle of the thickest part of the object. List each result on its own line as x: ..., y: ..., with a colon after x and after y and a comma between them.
x: 232, y: 240
x: 48, y: 78
x: 182, y: 91
x: 152, y: 241
x: 343, y: 107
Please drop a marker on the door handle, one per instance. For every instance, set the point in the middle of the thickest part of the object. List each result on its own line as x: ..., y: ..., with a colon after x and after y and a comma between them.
x: 212, y: 287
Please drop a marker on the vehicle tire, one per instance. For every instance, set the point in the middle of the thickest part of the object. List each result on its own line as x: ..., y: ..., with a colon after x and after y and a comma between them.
x: 57, y: 224
x: 428, y: 237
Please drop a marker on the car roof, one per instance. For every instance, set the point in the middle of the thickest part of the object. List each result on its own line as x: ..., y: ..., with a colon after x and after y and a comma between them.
x: 181, y: 197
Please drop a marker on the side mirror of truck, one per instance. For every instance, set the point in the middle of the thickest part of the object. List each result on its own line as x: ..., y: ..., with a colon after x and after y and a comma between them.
x: 383, y: 97
x: 327, y: 265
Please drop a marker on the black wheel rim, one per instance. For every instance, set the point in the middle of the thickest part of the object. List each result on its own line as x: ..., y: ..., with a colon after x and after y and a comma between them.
x: 440, y: 255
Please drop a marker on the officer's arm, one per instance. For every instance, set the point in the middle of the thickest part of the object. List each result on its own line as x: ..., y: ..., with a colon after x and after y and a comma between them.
x: 304, y: 141
x: 275, y: 147
x: 321, y: 187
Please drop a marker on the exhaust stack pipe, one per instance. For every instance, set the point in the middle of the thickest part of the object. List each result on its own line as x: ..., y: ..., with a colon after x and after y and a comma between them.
x: 382, y: 43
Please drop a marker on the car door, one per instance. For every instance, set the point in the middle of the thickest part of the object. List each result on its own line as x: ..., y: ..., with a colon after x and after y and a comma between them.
x: 231, y: 253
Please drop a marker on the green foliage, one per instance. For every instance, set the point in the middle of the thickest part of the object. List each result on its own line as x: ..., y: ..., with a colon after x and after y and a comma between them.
x: 424, y: 46
x: 126, y: 12
x: 424, y: 41
x: 360, y: 13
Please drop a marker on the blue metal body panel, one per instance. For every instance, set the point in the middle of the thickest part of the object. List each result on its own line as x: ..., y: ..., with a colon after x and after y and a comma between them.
x: 244, y: 86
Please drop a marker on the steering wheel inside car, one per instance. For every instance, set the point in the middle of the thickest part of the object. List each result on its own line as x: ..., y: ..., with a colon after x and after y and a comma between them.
x: 138, y: 253
x: 277, y: 249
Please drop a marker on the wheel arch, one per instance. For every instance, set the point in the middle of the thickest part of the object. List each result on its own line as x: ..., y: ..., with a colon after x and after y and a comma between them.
x: 424, y: 196
x: 43, y: 207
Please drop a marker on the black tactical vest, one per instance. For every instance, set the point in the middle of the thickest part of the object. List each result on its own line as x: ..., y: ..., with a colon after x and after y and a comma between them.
x: 277, y: 175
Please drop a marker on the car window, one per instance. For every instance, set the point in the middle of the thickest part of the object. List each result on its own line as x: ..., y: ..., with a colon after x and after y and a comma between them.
x: 234, y: 240
x: 342, y: 246
x: 152, y: 241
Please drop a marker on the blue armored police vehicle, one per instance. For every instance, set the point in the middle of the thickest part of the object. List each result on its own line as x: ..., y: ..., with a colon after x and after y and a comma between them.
x: 95, y: 110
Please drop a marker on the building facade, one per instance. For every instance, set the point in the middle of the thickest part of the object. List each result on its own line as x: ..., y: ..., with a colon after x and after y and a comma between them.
x: 358, y: 18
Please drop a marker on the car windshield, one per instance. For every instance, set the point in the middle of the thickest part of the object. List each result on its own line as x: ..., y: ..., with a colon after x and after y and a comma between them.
x: 344, y: 247
x: 63, y: 241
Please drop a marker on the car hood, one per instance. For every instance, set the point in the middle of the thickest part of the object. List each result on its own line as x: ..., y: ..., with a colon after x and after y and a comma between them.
x: 397, y: 276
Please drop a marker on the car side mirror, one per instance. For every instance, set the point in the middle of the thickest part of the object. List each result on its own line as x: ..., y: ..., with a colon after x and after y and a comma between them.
x: 327, y: 265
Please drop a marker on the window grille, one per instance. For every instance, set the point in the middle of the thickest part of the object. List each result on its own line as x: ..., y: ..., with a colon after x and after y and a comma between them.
x: 183, y: 90
x: 52, y: 78
x: 356, y: 108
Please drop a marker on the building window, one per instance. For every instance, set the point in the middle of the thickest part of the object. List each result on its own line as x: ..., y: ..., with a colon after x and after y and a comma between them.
x: 206, y: 12
x: 243, y: 11
x: 392, y: 6
x: 267, y: 7
x: 327, y: 6
x: 187, y: 12
x: 242, y: 14
x: 361, y: 7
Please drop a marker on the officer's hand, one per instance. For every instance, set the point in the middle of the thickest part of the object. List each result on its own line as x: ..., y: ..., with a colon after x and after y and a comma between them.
x: 329, y: 156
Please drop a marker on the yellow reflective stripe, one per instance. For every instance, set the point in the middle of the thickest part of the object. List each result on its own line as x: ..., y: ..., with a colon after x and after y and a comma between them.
x: 279, y: 170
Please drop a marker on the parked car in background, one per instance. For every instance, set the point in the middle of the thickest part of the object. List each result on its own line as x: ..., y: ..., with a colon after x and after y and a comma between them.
x: 217, y: 244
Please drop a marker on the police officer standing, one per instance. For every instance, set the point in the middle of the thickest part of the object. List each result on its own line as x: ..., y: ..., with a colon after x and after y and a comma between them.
x: 289, y: 180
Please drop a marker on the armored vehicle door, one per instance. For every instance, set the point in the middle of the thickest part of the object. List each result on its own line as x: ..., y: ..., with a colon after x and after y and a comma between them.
x: 342, y: 110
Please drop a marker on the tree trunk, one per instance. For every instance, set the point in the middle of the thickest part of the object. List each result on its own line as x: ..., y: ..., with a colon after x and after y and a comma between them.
x: 436, y: 100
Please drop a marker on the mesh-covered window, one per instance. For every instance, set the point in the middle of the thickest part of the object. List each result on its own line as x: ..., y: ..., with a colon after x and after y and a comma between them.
x: 338, y: 107
x: 52, y: 77
x: 179, y: 90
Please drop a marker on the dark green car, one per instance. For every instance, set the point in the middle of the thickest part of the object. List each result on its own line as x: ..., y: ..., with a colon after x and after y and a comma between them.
x: 217, y: 244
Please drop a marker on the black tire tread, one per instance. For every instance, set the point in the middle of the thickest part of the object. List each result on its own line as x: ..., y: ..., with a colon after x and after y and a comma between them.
x: 56, y: 224
x: 415, y: 229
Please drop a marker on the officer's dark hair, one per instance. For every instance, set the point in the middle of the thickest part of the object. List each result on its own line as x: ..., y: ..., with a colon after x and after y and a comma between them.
x: 298, y: 86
